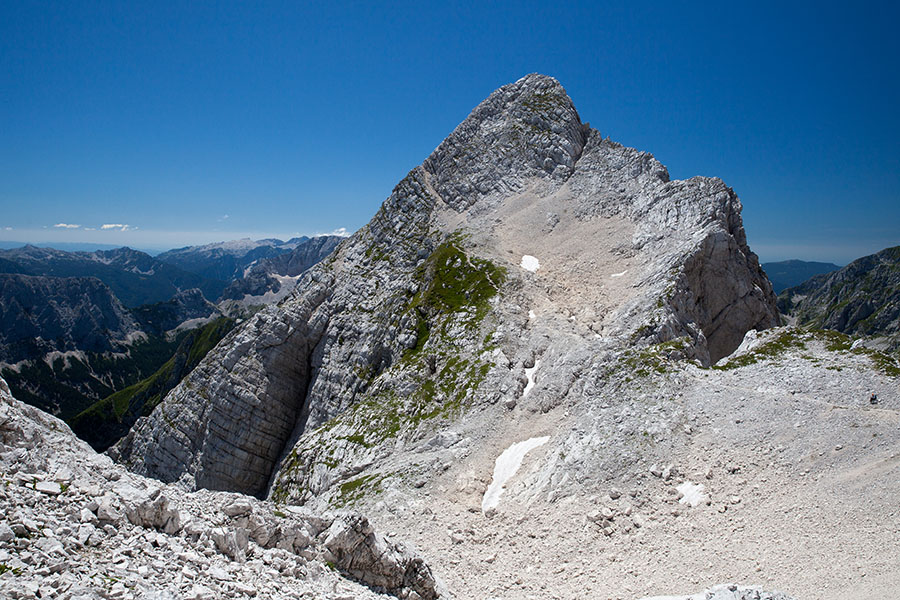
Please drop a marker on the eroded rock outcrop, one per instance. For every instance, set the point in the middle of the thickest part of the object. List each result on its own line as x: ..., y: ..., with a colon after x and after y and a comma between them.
x: 75, y: 525
x: 424, y: 312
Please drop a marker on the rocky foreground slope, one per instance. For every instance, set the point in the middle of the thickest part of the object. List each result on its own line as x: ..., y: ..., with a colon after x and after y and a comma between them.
x: 75, y: 525
x: 772, y: 470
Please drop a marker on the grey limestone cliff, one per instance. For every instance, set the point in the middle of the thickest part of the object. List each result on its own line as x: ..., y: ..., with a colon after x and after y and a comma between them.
x: 524, y: 239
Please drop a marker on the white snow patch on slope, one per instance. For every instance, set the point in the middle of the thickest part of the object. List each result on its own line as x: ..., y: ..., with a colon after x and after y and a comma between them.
x: 531, y: 315
x: 691, y: 493
x: 530, y: 263
x: 619, y: 274
x: 505, y: 467
x: 529, y: 373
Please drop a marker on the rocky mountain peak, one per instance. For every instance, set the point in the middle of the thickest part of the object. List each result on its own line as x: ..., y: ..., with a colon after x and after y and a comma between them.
x: 529, y: 128
x: 525, y: 241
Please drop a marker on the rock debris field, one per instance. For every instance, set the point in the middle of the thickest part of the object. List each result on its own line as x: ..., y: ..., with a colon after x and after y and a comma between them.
x: 777, y: 474
x: 75, y: 526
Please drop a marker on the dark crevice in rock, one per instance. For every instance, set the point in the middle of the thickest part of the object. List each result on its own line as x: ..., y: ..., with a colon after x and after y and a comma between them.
x: 302, y: 411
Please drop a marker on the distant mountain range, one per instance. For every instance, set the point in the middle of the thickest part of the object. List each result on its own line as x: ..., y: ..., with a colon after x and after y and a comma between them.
x: 267, y: 275
x: 75, y: 246
x: 226, y: 261
x: 135, y: 277
x: 862, y: 298
x: 107, y: 333
x: 788, y: 273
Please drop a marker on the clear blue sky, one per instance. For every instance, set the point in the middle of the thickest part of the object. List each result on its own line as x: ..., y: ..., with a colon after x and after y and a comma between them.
x: 291, y: 117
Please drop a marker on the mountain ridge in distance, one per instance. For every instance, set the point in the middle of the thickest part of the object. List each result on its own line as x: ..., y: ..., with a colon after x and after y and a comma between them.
x: 789, y: 273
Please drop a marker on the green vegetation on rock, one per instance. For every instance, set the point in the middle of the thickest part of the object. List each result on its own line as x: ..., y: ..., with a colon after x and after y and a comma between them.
x: 834, y: 341
x: 438, y: 378
x: 790, y: 338
x: 656, y: 358
x: 452, y: 281
x: 106, y: 421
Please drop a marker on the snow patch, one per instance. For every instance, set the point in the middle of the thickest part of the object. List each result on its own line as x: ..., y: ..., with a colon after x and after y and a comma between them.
x: 529, y: 373
x: 531, y: 315
x: 530, y: 263
x: 619, y: 274
x: 505, y: 467
x: 691, y: 493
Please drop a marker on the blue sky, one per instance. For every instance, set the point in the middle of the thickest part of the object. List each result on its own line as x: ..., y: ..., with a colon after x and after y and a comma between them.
x: 201, y: 121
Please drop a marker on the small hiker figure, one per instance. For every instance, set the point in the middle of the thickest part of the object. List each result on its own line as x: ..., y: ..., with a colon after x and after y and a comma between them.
x: 873, y: 399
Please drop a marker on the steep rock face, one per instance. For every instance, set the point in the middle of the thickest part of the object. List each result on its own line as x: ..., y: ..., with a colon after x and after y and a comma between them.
x: 862, y: 298
x: 421, y: 315
x: 692, y: 233
x: 528, y: 129
x: 263, y: 372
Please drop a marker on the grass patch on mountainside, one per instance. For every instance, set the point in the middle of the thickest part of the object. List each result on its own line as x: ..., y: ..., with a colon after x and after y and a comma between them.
x: 784, y: 341
x: 656, y: 358
x: 452, y: 281
x: 432, y: 383
x: 798, y: 339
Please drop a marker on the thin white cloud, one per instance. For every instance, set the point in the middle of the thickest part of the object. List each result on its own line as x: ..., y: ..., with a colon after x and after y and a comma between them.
x: 7, y: 228
x: 224, y: 217
x: 341, y: 231
x: 119, y: 226
x: 90, y: 229
x: 67, y: 226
